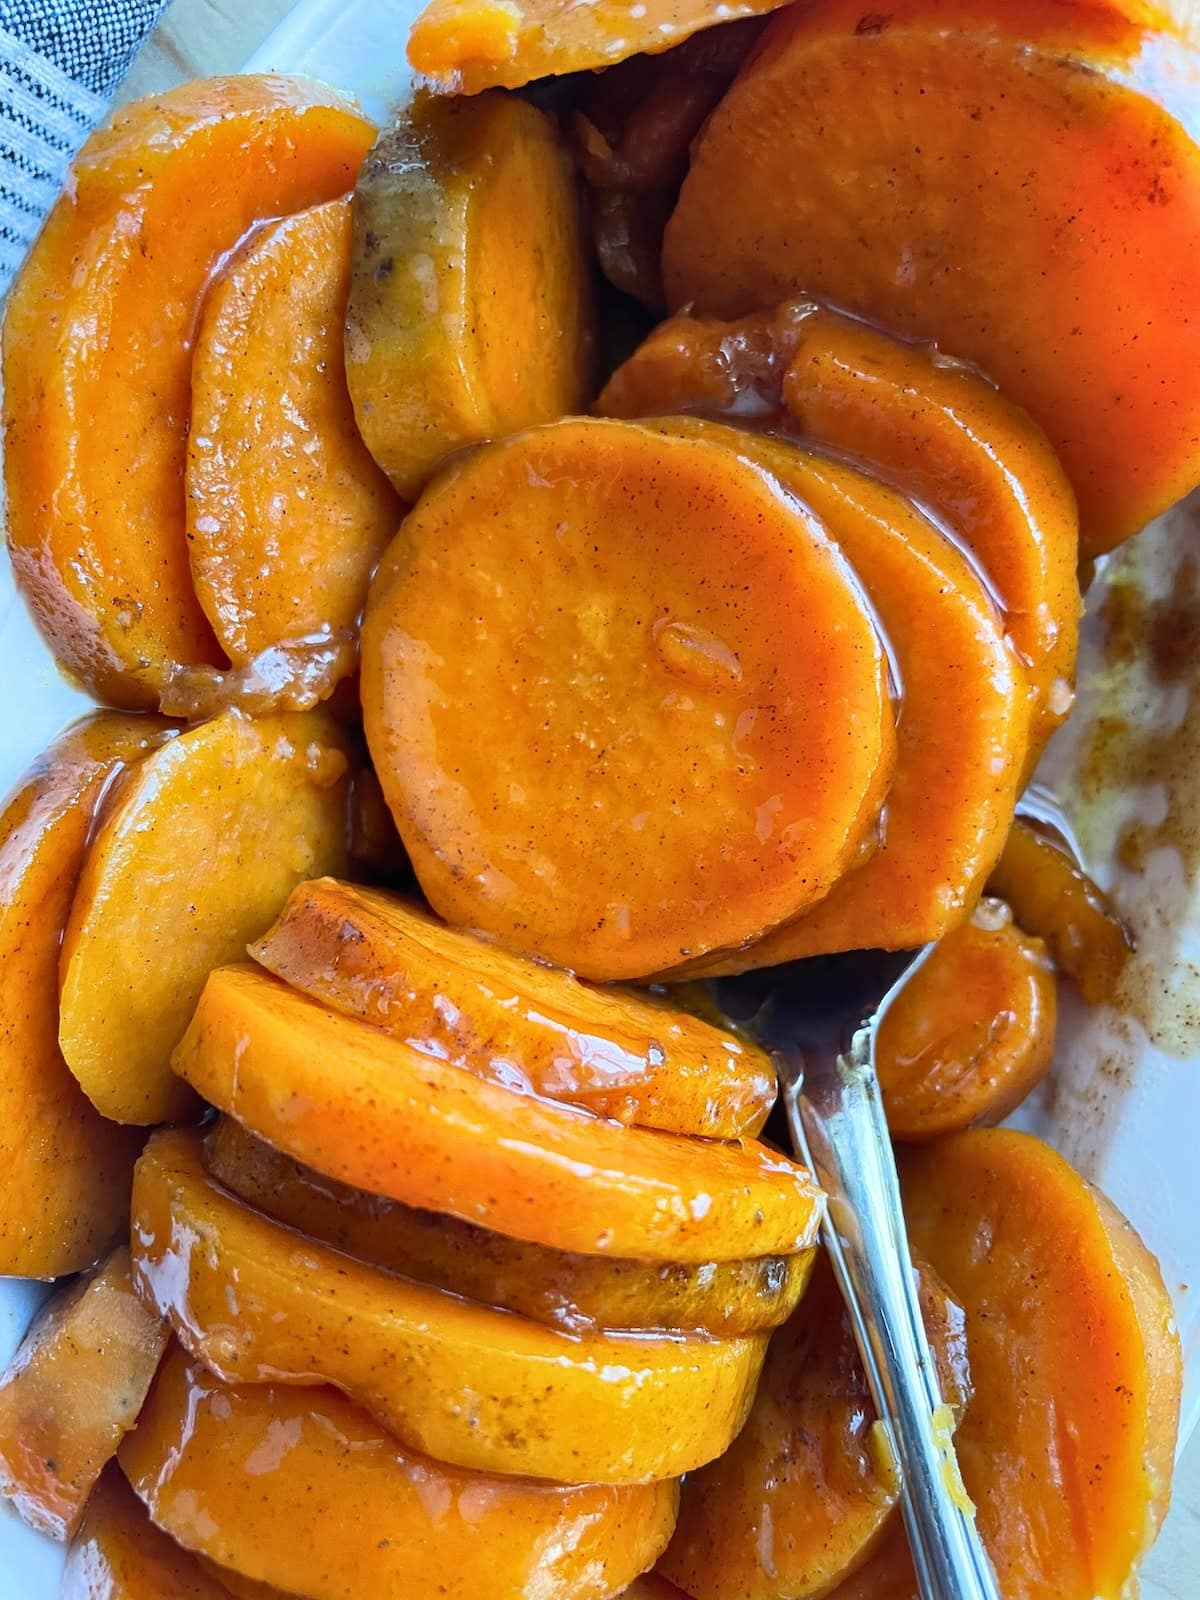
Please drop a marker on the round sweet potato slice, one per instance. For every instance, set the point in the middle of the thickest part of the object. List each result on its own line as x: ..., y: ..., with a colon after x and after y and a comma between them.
x: 697, y: 732
x: 97, y: 360
x: 557, y: 1287
x: 66, y: 1168
x: 470, y: 310
x: 369, y: 1110
x: 515, y: 1021
x: 1016, y: 181
x: 196, y: 855
x: 971, y: 1032
x: 73, y: 1391
x: 225, y: 1470
x: 287, y: 513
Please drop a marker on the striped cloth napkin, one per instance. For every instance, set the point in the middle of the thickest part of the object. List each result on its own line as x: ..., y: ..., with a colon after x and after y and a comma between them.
x: 60, y: 62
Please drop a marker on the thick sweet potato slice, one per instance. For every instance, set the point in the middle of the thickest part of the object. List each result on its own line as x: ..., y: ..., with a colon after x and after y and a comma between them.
x: 963, y: 720
x: 226, y: 1471
x: 1054, y: 898
x: 515, y: 1021
x: 1066, y: 1446
x: 461, y: 1382
x: 118, y: 1553
x: 470, y: 45
x: 73, y: 1390
x: 97, y: 359
x: 972, y: 1031
x: 66, y: 1169
x: 940, y: 433
x: 809, y: 1486
x: 287, y: 513
x: 371, y: 1111
x: 201, y: 850
x: 855, y: 158
x: 697, y: 729
x: 471, y: 297
x: 723, y: 1298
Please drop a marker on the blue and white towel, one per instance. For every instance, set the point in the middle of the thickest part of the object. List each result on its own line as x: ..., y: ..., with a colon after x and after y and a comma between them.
x: 60, y: 62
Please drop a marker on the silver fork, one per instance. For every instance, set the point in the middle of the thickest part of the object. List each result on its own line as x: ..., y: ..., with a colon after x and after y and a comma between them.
x: 820, y: 1020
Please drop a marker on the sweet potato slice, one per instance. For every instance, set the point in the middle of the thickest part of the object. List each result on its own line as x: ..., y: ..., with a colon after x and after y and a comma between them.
x: 470, y: 308
x: 369, y: 1110
x: 97, y: 360
x: 855, y: 159
x: 809, y: 1486
x: 515, y: 1021
x: 697, y: 729
x: 226, y: 1470
x: 461, y: 1382
x: 118, y: 1553
x: 963, y: 721
x: 723, y: 1298
x: 287, y: 513
x: 1066, y: 1447
x: 469, y: 45
x: 972, y: 1031
x: 66, y: 1169
x: 201, y: 850
x: 73, y: 1390
x: 1054, y: 898
x: 943, y: 435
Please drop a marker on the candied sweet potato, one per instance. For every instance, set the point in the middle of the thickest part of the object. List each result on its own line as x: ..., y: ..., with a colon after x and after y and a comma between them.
x: 73, y: 1391
x: 971, y: 1032
x: 697, y: 728
x: 97, y: 359
x: 470, y: 45
x: 962, y: 725
x: 518, y: 1022
x: 565, y: 1290
x: 461, y: 1382
x: 66, y: 1169
x: 470, y: 309
x: 1017, y: 181
x: 809, y: 1487
x: 1054, y: 898
x: 118, y: 1553
x: 368, y: 1109
x: 201, y: 849
x: 298, y: 1488
x: 287, y: 513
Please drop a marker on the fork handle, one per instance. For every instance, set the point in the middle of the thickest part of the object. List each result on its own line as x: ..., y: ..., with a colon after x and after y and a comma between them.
x: 839, y: 1130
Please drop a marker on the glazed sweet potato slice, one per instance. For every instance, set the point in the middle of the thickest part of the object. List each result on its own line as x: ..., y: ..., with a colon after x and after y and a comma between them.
x: 462, y: 1382
x: 66, y: 1169
x: 469, y: 45
x: 97, y: 350
x: 118, y: 1554
x: 1054, y: 898
x: 1067, y: 1459
x: 224, y: 1471
x: 963, y: 721
x: 72, y: 1392
x: 971, y: 1032
x: 471, y: 298
x: 808, y: 1488
x: 564, y: 1290
x: 515, y: 1021
x: 287, y: 513
x: 943, y: 435
x: 373, y: 1112
x: 855, y: 158
x: 197, y: 855
x: 698, y: 733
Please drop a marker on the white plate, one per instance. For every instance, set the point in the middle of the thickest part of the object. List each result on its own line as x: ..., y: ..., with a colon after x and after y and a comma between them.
x: 1124, y: 1109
